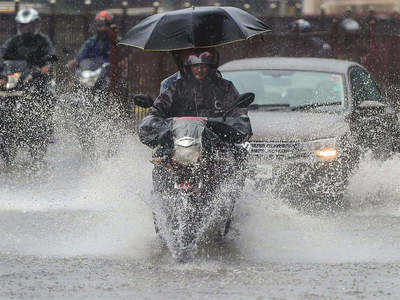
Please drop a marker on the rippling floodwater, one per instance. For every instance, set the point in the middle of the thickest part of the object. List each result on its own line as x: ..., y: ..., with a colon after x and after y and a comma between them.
x: 76, y: 231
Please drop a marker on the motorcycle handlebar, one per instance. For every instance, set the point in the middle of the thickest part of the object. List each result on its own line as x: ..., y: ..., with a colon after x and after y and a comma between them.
x: 219, y: 126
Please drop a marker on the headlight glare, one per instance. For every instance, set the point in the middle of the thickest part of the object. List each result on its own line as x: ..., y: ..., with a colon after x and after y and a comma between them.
x: 187, y: 150
x: 185, y: 142
x: 327, y: 153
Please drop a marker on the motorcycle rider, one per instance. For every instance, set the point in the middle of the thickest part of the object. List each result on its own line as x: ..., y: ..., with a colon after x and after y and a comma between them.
x: 199, y: 92
x: 307, y: 45
x: 98, y: 46
x: 179, y: 56
x: 32, y: 46
x: 98, y: 49
x: 348, y: 47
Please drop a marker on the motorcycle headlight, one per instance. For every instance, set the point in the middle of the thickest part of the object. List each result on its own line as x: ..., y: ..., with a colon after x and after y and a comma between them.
x: 89, y: 78
x: 12, y: 80
x: 187, y: 151
x: 185, y: 142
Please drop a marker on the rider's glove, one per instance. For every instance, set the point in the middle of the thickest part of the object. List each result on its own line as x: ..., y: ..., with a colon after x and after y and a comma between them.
x: 165, y: 136
x: 226, y: 130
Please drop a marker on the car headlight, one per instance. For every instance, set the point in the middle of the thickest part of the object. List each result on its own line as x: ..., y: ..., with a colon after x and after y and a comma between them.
x: 325, y: 149
x: 327, y: 153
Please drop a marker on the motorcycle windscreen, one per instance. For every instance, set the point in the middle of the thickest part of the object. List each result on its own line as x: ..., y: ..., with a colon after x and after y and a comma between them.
x: 13, y: 69
x: 187, y: 136
x: 91, y: 71
x: 90, y: 64
x: 14, y: 66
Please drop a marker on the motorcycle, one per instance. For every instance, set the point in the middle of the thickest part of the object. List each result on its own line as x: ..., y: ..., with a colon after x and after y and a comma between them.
x: 27, y: 100
x: 197, y: 178
x: 88, y: 107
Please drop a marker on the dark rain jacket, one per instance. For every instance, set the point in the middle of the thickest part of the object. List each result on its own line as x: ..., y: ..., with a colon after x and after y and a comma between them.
x: 169, y: 80
x: 187, y: 96
x: 36, y: 49
x: 95, y: 48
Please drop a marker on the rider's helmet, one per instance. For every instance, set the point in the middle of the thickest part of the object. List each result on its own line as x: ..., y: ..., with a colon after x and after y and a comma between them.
x: 28, y: 21
x: 349, y: 26
x: 201, y: 56
x: 300, y: 26
x: 102, y: 22
x: 103, y: 19
x: 207, y: 56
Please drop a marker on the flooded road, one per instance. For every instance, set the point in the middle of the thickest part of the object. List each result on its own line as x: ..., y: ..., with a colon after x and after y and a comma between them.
x: 75, y: 231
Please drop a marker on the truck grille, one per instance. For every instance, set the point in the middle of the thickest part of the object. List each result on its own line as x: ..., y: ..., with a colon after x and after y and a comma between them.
x: 279, y: 150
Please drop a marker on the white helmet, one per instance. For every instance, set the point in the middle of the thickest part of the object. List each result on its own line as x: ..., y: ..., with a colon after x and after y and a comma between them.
x: 28, y: 21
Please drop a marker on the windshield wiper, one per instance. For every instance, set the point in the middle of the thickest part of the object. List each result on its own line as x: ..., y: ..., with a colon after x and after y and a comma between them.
x: 271, y: 106
x: 314, y: 105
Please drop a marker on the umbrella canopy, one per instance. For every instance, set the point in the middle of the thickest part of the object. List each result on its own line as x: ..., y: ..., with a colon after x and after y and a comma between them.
x: 196, y: 27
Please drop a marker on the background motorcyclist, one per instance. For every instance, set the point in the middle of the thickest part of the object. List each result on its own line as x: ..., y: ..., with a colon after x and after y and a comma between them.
x: 98, y: 106
x: 30, y: 44
x: 305, y: 44
x: 36, y: 49
x: 98, y: 46
x: 348, y: 42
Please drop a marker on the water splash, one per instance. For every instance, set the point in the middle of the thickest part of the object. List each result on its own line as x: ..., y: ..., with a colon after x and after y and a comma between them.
x: 74, y: 209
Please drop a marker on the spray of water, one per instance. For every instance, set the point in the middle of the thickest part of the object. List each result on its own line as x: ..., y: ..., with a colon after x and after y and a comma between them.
x: 73, y: 208
x: 273, y: 231
x: 70, y: 206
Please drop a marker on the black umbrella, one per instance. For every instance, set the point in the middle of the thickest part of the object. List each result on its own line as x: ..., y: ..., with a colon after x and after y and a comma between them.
x: 196, y: 27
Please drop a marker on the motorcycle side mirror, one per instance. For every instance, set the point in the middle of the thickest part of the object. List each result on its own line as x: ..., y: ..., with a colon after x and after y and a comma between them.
x: 143, y: 100
x: 244, y: 101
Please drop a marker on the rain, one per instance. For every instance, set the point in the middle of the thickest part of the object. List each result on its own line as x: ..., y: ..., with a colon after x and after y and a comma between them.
x: 106, y: 192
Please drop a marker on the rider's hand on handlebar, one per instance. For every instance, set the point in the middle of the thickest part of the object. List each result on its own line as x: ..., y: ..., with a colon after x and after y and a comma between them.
x: 45, y: 69
x: 216, y: 119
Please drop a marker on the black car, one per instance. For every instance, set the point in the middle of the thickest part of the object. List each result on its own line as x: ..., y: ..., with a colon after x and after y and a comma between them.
x: 312, y: 119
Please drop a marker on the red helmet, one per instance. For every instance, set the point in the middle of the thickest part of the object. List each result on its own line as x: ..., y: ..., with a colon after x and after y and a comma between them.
x: 103, y: 18
x: 201, y: 57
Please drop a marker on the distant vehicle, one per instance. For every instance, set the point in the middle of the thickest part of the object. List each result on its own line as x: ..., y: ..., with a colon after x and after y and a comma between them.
x: 312, y: 118
x: 88, y: 103
x: 26, y: 105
